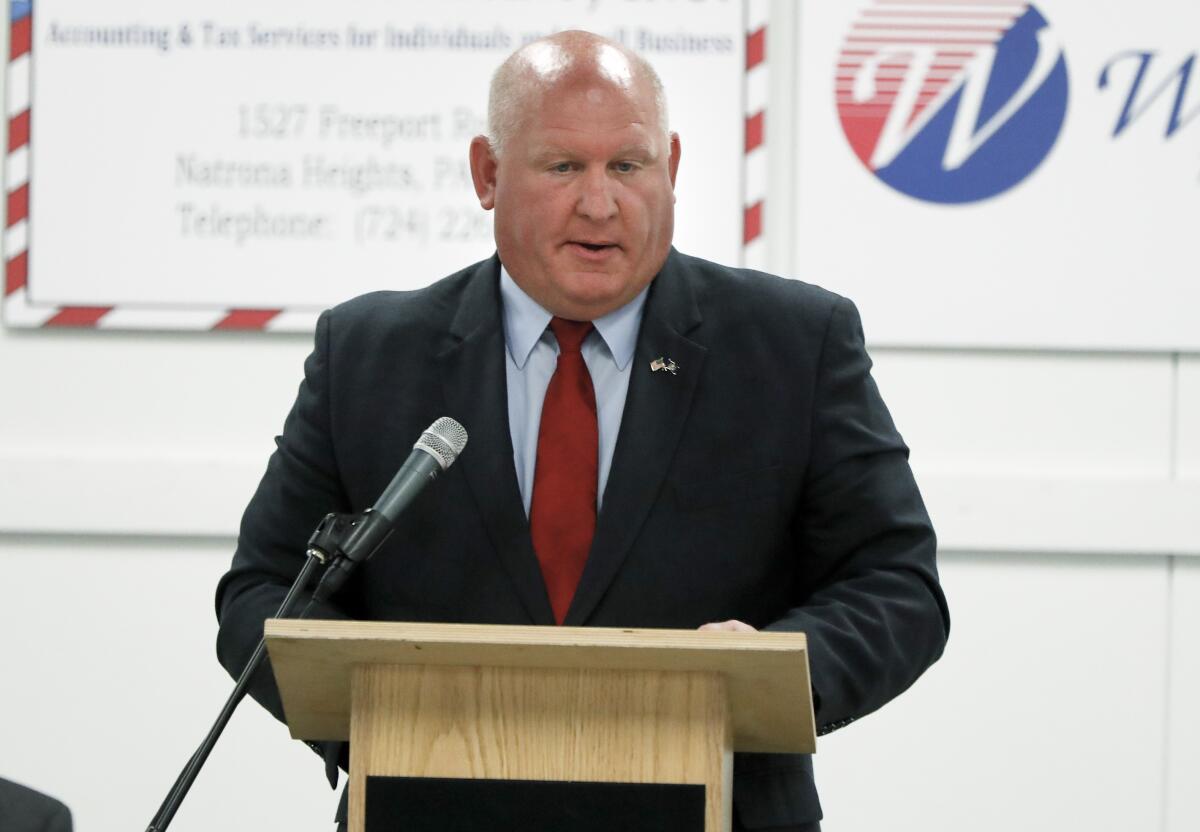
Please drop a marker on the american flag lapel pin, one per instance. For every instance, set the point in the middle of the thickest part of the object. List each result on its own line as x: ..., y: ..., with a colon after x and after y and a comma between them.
x: 667, y: 364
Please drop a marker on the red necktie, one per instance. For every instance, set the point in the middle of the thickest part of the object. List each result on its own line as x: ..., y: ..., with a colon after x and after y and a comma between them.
x: 562, y: 514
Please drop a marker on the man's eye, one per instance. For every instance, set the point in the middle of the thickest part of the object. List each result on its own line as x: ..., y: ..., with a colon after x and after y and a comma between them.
x: 562, y: 167
x: 625, y: 167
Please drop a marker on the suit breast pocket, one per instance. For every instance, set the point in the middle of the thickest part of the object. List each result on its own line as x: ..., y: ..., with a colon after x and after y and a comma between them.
x: 763, y: 485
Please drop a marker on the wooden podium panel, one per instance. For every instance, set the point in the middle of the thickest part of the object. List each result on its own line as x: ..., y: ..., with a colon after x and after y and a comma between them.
x: 611, y: 726
x: 428, y: 706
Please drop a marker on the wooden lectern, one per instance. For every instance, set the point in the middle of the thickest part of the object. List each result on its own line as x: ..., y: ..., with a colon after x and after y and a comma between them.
x: 541, y: 727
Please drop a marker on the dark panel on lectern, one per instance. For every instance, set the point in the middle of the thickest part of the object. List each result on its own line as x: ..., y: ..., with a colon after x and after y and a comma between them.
x: 435, y: 804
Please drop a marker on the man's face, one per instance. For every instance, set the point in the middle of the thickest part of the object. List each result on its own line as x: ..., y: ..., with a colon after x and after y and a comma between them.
x: 584, y: 196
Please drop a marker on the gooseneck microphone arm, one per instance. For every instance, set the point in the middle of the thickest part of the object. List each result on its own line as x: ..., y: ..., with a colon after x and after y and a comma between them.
x: 341, y: 541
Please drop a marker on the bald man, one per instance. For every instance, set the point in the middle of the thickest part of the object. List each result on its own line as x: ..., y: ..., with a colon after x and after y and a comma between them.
x: 656, y: 440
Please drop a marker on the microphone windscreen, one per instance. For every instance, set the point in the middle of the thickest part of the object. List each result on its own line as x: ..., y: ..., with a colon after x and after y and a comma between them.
x: 444, y: 441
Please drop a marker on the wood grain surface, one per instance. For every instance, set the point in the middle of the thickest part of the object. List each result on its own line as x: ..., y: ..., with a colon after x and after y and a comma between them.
x: 624, y: 726
x: 766, y: 674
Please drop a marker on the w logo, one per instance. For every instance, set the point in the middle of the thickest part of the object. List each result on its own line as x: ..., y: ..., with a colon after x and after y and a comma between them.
x: 951, y: 101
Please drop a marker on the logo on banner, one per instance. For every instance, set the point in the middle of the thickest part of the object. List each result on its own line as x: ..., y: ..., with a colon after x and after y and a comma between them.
x: 954, y: 102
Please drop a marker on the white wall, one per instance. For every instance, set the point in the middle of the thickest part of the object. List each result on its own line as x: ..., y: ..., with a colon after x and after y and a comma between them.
x: 110, y: 683
x: 1059, y: 483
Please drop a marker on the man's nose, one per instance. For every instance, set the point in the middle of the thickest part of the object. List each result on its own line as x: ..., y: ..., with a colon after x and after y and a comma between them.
x: 596, y: 199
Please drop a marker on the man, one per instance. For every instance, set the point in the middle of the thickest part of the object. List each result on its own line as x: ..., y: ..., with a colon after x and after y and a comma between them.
x: 24, y: 810
x: 656, y: 440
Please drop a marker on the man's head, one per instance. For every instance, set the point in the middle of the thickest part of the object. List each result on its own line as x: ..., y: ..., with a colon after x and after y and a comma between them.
x: 580, y: 168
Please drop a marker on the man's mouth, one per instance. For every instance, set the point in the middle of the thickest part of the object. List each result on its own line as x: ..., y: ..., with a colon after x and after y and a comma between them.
x: 593, y: 248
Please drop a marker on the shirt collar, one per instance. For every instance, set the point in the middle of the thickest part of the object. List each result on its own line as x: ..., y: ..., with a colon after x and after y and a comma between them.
x: 525, y: 320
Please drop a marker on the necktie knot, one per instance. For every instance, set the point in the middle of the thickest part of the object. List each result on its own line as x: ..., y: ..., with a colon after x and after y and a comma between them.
x: 569, y: 334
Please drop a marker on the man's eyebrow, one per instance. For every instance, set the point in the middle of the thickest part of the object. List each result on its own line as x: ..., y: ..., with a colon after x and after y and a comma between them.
x: 549, y: 152
x: 555, y: 152
x: 639, y: 150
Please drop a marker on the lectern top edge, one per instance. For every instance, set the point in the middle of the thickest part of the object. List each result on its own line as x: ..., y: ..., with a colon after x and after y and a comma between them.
x: 515, y: 636
x: 765, y: 674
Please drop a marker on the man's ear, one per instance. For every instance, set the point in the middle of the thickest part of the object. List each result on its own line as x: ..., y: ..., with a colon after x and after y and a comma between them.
x: 483, y: 171
x: 673, y: 159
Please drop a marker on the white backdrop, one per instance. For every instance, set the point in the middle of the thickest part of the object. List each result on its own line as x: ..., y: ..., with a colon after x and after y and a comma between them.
x: 1063, y: 485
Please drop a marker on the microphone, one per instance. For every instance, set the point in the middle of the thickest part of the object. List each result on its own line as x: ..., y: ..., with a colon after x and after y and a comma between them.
x: 434, y: 452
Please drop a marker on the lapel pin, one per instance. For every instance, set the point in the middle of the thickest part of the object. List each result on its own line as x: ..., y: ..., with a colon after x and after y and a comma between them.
x: 667, y: 364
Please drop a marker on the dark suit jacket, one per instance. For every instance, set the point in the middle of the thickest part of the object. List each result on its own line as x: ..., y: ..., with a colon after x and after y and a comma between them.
x: 764, y: 482
x: 24, y: 810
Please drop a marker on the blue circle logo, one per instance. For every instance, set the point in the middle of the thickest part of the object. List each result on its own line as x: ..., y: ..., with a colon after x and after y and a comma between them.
x: 954, y: 103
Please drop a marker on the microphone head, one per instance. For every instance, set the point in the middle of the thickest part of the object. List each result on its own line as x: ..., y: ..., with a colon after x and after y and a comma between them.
x: 444, y: 441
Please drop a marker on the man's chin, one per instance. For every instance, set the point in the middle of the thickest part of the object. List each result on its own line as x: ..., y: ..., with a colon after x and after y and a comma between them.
x: 587, y: 295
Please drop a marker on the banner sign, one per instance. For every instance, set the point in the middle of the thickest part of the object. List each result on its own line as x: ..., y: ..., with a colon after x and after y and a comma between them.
x: 1003, y: 174
x: 249, y: 163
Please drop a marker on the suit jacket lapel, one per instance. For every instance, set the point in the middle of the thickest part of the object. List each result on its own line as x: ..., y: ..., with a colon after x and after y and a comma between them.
x: 473, y: 375
x: 655, y: 411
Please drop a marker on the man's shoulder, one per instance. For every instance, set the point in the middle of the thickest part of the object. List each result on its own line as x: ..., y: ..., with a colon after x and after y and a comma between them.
x: 729, y: 289
x: 428, y: 308
x: 24, y: 808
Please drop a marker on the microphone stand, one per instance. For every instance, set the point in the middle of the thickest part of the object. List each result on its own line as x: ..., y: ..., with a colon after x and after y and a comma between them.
x: 342, y: 541
x: 325, y: 543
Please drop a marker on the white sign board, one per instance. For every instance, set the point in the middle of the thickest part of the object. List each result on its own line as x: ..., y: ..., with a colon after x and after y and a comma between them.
x: 245, y: 154
x: 1003, y: 174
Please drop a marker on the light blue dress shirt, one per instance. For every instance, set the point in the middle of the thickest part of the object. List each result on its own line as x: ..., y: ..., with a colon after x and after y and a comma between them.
x: 530, y: 359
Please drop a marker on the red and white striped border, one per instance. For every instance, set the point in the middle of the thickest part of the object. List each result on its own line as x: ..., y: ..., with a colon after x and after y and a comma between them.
x: 19, y: 308
x: 21, y: 311
x: 754, y: 174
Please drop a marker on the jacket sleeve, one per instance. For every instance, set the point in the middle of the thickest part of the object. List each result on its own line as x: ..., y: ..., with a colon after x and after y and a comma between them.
x: 870, y: 604
x: 300, y: 486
